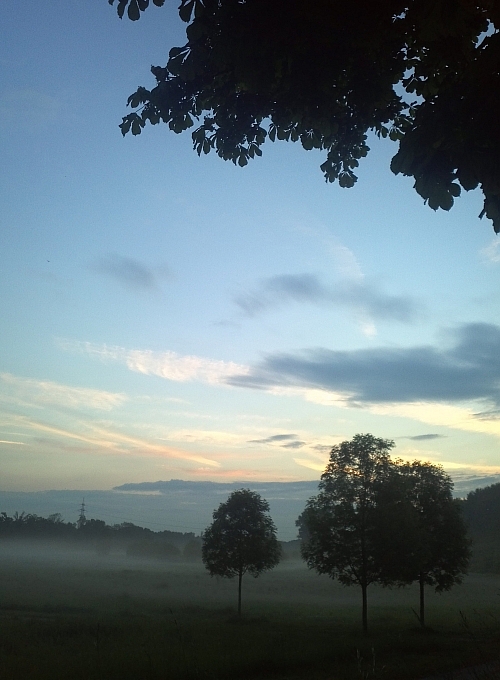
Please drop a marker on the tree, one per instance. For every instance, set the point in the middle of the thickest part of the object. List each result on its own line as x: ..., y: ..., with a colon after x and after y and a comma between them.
x: 481, y: 512
x: 424, y: 73
x: 241, y: 539
x: 440, y: 552
x: 340, y: 527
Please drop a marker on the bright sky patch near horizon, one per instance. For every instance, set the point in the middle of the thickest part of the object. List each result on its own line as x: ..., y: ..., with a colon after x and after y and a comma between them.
x: 168, y: 316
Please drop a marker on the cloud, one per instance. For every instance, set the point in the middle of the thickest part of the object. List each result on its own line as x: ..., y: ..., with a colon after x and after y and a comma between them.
x: 42, y: 392
x: 425, y: 437
x: 129, y: 272
x: 282, y: 289
x: 273, y: 438
x: 356, y: 294
x: 310, y: 464
x: 100, y: 437
x: 213, y: 438
x: 492, y: 414
x: 28, y: 108
x: 468, y: 370
x: 293, y: 445
x: 491, y: 253
x: 168, y: 365
x: 322, y: 448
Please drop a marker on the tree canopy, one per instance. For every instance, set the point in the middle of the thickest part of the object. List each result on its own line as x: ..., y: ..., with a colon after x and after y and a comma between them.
x: 481, y: 511
x: 241, y: 538
x: 339, y: 526
x: 425, y: 73
x: 438, y: 550
x: 378, y: 520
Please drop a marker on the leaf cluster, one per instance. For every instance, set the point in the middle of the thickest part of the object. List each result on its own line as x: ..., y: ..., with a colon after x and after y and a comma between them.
x: 423, y: 73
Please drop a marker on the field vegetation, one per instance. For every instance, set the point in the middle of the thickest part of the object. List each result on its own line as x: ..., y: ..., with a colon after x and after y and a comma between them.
x: 83, y: 615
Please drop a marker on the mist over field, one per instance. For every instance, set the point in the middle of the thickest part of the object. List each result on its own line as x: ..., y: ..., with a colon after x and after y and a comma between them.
x: 103, y: 597
x: 179, y: 505
x: 68, y: 613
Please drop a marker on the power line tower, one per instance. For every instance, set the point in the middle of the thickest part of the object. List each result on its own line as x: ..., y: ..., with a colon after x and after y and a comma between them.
x: 82, y: 520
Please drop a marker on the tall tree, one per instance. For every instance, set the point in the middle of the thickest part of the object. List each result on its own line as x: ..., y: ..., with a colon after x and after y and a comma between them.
x: 241, y: 539
x: 340, y: 527
x: 424, y: 73
x: 440, y: 549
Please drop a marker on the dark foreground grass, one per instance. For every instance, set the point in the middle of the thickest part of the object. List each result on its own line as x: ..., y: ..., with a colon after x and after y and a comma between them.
x: 212, y: 644
x: 104, y: 622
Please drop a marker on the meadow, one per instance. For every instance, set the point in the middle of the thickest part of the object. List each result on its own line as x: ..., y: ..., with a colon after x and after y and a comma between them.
x: 84, y: 616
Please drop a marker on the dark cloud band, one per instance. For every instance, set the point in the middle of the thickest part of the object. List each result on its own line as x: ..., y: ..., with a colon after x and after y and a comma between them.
x: 467, y: 370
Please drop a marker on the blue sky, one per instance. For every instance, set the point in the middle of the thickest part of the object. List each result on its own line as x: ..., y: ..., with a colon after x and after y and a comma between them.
x: 168, y: 316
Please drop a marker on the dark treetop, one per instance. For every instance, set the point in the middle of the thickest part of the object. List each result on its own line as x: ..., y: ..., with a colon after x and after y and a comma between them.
x: 241, y: 538
x: 425, y: 73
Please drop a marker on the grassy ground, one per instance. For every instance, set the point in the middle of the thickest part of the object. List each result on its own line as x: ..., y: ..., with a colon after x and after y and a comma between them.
x: 89, y: 618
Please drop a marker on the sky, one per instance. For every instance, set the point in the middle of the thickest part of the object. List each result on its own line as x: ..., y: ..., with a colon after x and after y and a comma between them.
x: 164, y: 316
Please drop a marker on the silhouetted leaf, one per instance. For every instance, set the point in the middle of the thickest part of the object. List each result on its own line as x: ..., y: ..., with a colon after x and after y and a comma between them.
x: 134, y: 15
x: 136, y: 127
x: 186, y: 9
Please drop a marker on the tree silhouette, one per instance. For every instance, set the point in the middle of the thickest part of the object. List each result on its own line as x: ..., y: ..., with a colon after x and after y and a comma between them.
x: 440, y: 549
x: 340, y: 527
x: 422, y: 72
x: 241, y: 538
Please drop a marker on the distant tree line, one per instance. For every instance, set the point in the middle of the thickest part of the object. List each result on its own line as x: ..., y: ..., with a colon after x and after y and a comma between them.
x: 96, y: 534
x: 481, y: 511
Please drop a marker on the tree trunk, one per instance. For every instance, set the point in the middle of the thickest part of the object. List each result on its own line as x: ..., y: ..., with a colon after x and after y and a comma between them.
x: 240, y: 577
x: 365, y: 609
x: 422, y: 601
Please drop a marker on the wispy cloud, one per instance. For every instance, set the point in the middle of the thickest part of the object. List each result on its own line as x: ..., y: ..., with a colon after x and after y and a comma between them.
x: 273, y: 438
x: 130, y: 273
x: 490, y: 414
x: 28, y: 108
x: 357, y: 294
x: 48, y: 392
x: 310, y: 464
x: 294, y: 445
x: 168, y: 365
x: 103, y: 438
x: 322, y: 448
x: 491, y: 253
x: 424, y: 437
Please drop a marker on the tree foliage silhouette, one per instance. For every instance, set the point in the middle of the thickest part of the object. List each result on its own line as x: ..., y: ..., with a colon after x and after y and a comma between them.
x: 376, y: 520
x: 440, y: 549
x: 340, y: 527
x: 241, y: 539
x: 424, y: 73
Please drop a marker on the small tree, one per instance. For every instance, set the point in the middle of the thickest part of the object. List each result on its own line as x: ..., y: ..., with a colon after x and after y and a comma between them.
x: 441, y: 549
x: 241, y: 538
x: 340, y: 527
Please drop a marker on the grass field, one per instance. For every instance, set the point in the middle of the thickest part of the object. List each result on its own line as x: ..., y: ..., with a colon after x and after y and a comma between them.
x: 86, y: 617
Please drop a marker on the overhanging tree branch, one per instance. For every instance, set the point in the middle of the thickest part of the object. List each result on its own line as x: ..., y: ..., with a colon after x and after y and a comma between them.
x: 424, y: 73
